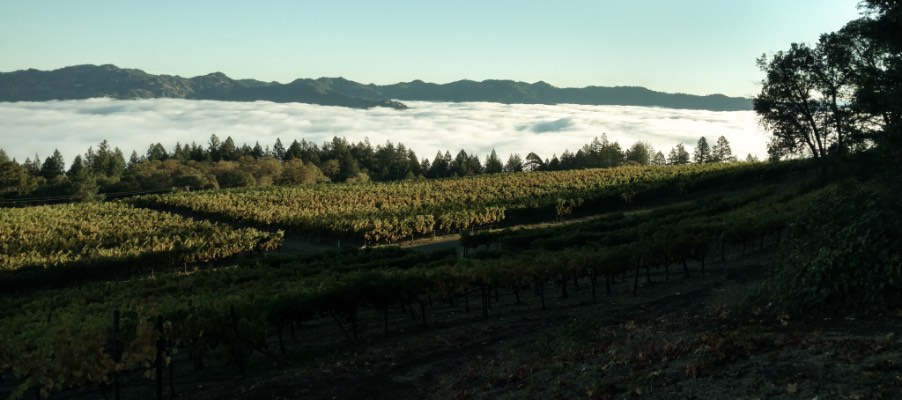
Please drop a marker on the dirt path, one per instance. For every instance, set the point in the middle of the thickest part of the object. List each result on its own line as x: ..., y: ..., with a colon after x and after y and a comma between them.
x: 300, y: 244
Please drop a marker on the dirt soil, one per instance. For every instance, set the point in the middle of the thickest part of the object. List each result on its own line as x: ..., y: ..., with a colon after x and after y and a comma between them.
x: 686, y: 338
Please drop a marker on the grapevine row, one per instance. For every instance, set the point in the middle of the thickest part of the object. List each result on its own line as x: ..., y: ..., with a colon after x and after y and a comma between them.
x: 388, y: 212
x: 75, y: 240
x: 61, y: 338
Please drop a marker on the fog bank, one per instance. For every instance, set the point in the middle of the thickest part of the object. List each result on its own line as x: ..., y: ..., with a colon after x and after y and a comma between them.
x: 426, y: 127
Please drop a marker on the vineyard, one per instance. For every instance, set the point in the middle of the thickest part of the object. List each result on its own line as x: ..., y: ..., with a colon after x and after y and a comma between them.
x: 389, y: 212
x: 95, y: 333
x: 82, y: 240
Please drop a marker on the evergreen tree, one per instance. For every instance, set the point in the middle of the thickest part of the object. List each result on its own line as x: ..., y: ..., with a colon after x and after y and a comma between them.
x: 228, y: 151
x: 156, y: 152
x: 53, y: 166
x: 33, y: 166
x: 14, y: 179
x: 213, y: 149
x: 493, y: 164
x: 197, y: 153
x: 514, y: 163
x: 246, y: 151
x: 721, y: 151
x: 413, y: 165
x: 350, y: 168
x: 181, y: 153
x: 678, y: 155
x: 439, y: 168
x: 77, y: 167
x: 82, y: 185
x: 257, y: 152
x: 640, y: 153
x: 310, y: 153
x: 365, y: 155
x: 567, y: 160
x: 460, y: 165
x: 702, y: 153
x: 294, y: 151
x: 611, y: 155
x: 278, y: 150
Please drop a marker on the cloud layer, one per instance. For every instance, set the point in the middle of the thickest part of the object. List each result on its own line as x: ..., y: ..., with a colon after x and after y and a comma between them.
x: 72, y: 126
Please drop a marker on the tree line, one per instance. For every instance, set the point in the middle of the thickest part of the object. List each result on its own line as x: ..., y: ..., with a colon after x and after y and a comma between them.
x: 224, y: 164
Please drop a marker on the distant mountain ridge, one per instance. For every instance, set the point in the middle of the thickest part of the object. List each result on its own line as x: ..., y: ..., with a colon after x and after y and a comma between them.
x: 88, y: 81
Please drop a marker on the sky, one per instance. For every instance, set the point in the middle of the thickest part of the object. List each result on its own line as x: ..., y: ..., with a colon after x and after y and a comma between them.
x: 687, y: 46
x: 27, y: 128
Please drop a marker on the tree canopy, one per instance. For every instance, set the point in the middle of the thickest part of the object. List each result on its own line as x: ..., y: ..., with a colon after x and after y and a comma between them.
x: 841, y: 95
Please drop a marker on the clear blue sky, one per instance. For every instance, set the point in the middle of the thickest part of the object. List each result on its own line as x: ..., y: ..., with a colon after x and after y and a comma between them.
x: 690, y: 46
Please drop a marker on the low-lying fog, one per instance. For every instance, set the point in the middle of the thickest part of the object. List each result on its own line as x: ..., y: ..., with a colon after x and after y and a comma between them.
x: 72, y: 126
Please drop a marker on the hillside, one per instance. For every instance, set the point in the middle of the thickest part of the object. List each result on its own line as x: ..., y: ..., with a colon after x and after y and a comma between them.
x: 87, y: 81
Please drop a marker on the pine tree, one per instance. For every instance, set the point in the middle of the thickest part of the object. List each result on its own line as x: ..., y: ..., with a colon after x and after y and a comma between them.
x: 514, y: 163
x: 228, y: 151
x: 702, y: 153
x: 156, y: 152
x: 721, y: 151
x: 257, y: 152
x: 213, y: 150
x: 33, y: 166
x: 278, y: 150
x: 678, y: 155
x: 53, y: 166
x: 493, y: 164
x: 82, y: 185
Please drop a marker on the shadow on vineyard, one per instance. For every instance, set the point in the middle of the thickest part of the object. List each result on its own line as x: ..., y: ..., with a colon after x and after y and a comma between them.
x: 720, y: 288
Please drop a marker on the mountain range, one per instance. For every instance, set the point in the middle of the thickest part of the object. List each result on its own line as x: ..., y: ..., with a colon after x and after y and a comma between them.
x: 88, y: 81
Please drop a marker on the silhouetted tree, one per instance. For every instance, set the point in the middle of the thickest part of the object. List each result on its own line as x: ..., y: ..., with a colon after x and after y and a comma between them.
x: 514, y: 163
x: 678, y: 155
x: 53, y: 166
x: 877, y: 63
x: 804, y: 99
x: 640, y: 153
x: 493, y: 164
x: 702, y: 152
x: 721, y: 151
x: 213, y: 148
